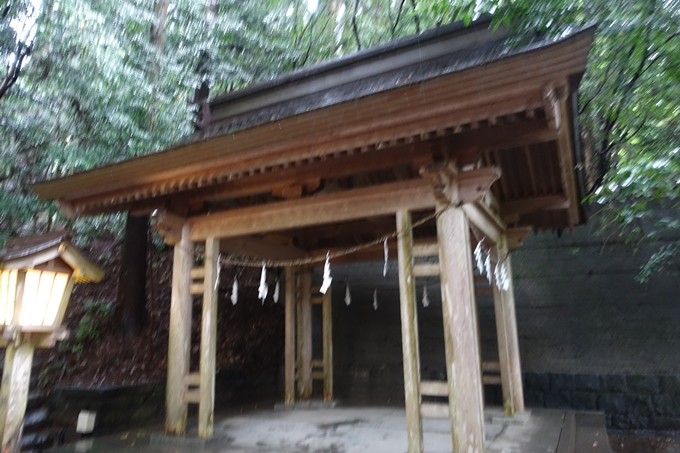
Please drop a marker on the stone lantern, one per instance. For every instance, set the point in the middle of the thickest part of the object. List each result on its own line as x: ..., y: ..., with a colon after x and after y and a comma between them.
x: 37, y: 275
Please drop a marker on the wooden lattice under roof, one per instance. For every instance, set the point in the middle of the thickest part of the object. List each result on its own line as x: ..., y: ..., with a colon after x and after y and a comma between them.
x: 360, y: 127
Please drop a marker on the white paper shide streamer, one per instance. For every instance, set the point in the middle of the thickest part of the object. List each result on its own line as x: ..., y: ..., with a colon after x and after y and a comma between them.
x: 501, y: 276
x: 219, y: 268
x: 275, y: 296
x: 327, y: 279
x: 375, y: 299
x: 387, y: 257
x: 489, y: 271
x: 426, y: 300
x: 497, y: 277
x: 234, y: 292
x: 505, y: 278
x: 348, y: 296
x: 479, y: 257
x: 263, y: 289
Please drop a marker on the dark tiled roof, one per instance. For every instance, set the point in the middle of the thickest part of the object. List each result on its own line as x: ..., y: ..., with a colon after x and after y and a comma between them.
x: 20, y: 247
x: 327, y: 84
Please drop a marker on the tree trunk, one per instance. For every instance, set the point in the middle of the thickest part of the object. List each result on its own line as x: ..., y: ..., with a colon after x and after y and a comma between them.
x: 131, y: 308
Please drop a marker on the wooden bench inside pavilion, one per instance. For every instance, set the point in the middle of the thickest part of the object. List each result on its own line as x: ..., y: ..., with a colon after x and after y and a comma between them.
x: 466, y: 132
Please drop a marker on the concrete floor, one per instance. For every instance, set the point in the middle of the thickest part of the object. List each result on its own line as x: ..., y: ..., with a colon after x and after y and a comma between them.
x: 342, y: 430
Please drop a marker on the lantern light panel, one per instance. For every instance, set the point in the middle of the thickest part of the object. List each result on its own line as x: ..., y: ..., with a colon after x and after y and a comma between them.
x: 41, y: 296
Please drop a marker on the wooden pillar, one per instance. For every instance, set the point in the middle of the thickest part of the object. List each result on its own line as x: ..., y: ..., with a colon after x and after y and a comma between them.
x: 206, y: 405
x: 460, y: 331
x: 508, y: 343
x: 327, y: 329
x: 298, y: 332
x: 16, y: 393
x: 179, y: 336
x: 305, y: 371
x: 409, y: 334
x: 289, y: 360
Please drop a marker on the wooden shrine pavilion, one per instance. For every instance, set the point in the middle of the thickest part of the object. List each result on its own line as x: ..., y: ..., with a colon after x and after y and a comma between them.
x: 467, y: 131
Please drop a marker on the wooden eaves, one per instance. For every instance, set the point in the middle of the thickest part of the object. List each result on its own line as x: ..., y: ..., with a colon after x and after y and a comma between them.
x: 346, y: 140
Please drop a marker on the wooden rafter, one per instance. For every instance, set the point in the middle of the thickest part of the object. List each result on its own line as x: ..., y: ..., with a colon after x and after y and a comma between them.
x: 512, y: 210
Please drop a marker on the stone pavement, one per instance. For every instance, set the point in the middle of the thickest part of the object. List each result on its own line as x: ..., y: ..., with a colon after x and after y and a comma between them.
x: 351, y: 430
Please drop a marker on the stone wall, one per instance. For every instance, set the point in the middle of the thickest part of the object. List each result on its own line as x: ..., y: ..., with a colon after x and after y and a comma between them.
x: 628, y: 401
x: 118, y: 408
x: 591, y: 337
x: 126, y: 407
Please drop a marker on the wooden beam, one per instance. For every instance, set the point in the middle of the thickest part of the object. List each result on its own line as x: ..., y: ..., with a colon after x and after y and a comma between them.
x: 490, y: 379
x: 426, y: 270
x: 179, y: 336
x: 460, y: 330
x: 426, y: 248
x: 434, y: 388
x: 488, y: 223
x: 493, y: 367
x: 508, y: 342
x: 192, y: 397
x: 196, y: 288
x: 409, y: 333
x: 515, y: 237
x: 192, y: 379
x: 206, y: 405
x: 322, y: 209
x: 437, y: 410
x: 197, y: 273
x: 289, y: 346
x: 261, y: 248
x: 512, y: 210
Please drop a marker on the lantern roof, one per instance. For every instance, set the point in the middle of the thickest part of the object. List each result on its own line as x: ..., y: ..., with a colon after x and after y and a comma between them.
x: 32, y: 251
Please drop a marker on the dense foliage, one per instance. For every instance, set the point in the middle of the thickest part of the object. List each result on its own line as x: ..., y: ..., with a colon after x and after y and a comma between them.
x: 630, y: 112
x: 95, y: 87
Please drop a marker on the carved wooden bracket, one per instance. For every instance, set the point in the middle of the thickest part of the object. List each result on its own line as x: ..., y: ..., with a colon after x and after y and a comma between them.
x: 457, y: 187
x: 552, y: 96
x: 515, y: 237
x: 168, y: 225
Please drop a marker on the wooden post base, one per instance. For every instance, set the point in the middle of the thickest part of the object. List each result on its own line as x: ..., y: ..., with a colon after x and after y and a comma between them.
x: 15, y: 382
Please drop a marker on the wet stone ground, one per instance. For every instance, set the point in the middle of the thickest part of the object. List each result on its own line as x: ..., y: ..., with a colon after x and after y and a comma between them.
x: 645, y: 442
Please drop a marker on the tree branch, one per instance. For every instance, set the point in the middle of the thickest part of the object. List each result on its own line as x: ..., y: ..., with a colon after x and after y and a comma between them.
x: 355, y: 28
x: 661, y: 53
x: 605, y: 79
x: 396, y: 22
x: 416, y: 19
x: 14, y: 68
